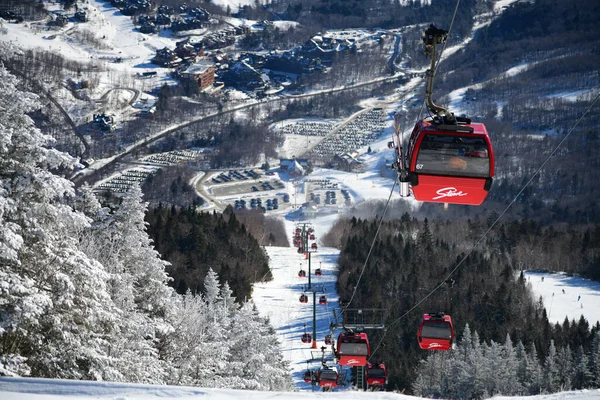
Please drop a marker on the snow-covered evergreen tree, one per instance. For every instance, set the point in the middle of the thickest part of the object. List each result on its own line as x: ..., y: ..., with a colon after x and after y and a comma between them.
x: 508, y: 382
x: 55, y: 312
x: 551, y: 370
x: 535, y: 373
x: 582, y: 375
x: 565, y: 367
x: 595, y: 360
x: 255, y: 357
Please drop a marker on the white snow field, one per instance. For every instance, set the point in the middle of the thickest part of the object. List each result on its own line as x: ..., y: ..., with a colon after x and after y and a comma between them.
x: 54, y: 389
x: 566, y: 296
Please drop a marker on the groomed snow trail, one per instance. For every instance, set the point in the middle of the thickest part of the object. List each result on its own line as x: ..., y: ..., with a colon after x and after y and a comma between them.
x: 279, y: 300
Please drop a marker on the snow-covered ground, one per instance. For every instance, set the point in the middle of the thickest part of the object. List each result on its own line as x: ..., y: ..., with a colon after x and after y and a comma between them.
x: 55, y: 389
x: 566, y: 296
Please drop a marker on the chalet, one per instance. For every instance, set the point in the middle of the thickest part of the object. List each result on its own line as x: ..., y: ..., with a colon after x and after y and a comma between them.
x: 295, y: 169
x: 285, y: 163
x: 241, y: 74
x: 345, y: 161
x: 326, y: 48
x: 202, y: 72
x: 290, y: 63
x: 166, y: 58
x: 185, y: 50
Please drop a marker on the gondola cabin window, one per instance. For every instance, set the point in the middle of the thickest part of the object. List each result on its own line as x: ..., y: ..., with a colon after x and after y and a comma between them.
x: 356, y: 349
x: 437, y: 330
x: 376, y: 372
x: 453, y: 155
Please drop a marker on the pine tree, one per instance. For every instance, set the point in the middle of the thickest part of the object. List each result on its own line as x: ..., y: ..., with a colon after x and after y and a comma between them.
x: 55, y: 312
x: 565, y: 368
x: 582, y: 375
x: 595, y: 360
x: 535, y: 373
x: 508, y: 381
x: 551, y: 372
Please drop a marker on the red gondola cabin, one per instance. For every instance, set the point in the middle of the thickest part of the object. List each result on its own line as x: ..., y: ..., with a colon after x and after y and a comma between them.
x: 353, y: 349
x: 318, y: 272
x: 306, y: 338
x: 376, y: 375
x: 435, y: 332
x: 312, y: 237
x: 303, y: 298
x: 302, y: 273
x: 313, y: 246
x: 327, y: 378
x: 450, y: 163
x: 323, y: 299
x: 328, y: 339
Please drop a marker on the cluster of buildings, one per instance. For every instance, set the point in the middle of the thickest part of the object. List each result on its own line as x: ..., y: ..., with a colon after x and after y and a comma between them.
x: 250, y: 72
x: 181, y: 18
x: 131, y: 7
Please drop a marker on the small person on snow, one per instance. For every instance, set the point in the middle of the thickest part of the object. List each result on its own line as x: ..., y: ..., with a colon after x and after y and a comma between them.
x: 578, y: 297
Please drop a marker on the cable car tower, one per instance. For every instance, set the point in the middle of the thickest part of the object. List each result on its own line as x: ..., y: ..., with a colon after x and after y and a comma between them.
x: 448, y: 159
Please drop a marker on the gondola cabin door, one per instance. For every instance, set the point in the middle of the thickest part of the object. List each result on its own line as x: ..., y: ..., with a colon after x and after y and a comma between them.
x: 450, y: 163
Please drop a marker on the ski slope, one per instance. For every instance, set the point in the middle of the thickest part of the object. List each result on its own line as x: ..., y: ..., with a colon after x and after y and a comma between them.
x: 566, y: 296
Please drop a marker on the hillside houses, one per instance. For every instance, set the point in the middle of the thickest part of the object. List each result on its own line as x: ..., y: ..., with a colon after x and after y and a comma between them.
x: 179, y: 19
x: 202, y: 72
x: 326, y: 48
x: 242, y: 75
x: 291, y: 63
x: 166, y: 58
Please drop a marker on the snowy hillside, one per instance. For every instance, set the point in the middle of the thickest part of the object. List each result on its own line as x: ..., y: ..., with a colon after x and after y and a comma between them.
x: 54, y: 389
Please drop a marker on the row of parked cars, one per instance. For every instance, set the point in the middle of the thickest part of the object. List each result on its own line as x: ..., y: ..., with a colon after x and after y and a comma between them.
x: 233, y: 174
x: 270, y: 204
x: 268, y: 186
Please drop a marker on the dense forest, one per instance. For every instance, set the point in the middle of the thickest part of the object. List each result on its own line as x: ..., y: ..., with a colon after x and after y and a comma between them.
x: 487, y: 290
x: 194, y: 242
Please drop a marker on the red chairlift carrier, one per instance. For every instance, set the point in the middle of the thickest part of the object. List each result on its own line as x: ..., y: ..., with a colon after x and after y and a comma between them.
x: 435, y: 332
x: 306, y: 338
x: 327, y: 378
x: 450, y: 163
x: 449, y: 159
x: 353, y: 349
x: 376, y: 375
